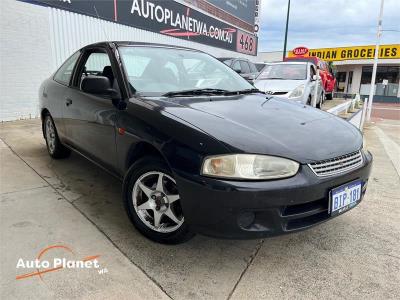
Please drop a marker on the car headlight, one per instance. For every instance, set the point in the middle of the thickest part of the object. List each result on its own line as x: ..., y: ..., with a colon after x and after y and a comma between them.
x: 249, y: 166
x: 297, y: 92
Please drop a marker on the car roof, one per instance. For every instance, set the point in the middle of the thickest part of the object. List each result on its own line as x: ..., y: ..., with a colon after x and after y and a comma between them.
x: 291, y: 63
x: 313, y: 59
x: 226, y: 58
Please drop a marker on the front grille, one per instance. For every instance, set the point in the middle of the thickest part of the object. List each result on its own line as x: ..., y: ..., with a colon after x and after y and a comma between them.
x: 337, y: 165
x: 303, y: 215
x: 304, y: 208
x: 275, y: 93
x: 306, y: 221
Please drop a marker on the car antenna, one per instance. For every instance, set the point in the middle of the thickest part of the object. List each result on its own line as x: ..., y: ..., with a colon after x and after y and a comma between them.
x: 101, y: 23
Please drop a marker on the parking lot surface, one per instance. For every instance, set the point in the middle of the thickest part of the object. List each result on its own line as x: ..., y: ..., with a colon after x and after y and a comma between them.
x: 45, y: 201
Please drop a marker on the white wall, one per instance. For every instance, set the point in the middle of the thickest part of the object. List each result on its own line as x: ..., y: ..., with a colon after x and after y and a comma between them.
x: 35, y: 40
x: 274, y: 56
x: 25, y: 58
x: 357, y: 71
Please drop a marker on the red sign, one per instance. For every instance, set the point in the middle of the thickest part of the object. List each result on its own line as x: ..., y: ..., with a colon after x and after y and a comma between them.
x: 246, y: 43
x: 300, y: 51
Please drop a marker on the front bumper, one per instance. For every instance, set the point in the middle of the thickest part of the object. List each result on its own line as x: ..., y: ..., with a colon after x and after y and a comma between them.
x: 225, y: 209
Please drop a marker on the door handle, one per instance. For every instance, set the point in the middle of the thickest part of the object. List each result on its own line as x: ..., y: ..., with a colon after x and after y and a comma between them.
x: 68, y: 102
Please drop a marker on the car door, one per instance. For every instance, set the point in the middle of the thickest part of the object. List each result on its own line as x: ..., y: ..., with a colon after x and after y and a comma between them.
x: 331, y: 78
x: 90, y: 119
x: 312, y: 83
x: 55, y: 92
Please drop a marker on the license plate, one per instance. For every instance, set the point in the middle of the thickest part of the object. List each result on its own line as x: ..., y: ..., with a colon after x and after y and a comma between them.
x: 345, y: 197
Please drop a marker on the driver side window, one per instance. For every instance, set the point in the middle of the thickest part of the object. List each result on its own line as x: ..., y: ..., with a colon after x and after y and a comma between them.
x: 98, y: 64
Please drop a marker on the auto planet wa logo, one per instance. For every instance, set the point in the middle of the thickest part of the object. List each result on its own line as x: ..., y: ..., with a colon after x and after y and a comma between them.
x: 43, y: 265
x: 183, y: 25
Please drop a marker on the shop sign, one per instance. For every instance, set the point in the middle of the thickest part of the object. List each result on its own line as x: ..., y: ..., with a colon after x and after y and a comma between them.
x: 300, y: 51
x: 165, y: 17
x: 354, y: 53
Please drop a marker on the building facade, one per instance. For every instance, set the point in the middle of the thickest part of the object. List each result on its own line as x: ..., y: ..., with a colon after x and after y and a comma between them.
x: 38, y: 35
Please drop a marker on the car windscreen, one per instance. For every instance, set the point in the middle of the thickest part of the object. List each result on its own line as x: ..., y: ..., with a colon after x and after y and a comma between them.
x: 156, y: 71
x: 284, y: 71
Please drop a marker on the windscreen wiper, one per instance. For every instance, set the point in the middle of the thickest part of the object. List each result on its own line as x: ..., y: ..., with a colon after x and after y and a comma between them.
x: 242, y: 92
x: 194, y: 92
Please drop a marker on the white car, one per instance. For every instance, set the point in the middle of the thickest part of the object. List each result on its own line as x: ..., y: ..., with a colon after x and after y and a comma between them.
x: 293, y: 80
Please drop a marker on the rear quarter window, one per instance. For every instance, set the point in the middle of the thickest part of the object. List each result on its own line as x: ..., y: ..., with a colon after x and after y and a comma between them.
x: 64, y: 73
x: 253, y: 68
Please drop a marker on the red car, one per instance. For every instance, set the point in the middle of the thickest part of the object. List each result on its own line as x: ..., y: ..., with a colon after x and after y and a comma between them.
x: 325, y: 72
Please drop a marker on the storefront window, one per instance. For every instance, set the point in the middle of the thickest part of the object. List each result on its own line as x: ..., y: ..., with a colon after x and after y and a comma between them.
x: 387, y: 80
x: 349, y: 82
x: 341, y: 81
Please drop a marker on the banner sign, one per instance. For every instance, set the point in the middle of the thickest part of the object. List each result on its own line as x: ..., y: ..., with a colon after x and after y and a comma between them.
x: 241, y: 9
x: 354, y: 53
x: 165, y: 17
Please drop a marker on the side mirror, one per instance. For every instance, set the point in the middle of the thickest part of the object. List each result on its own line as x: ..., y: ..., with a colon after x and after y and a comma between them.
x: 98, y: 85
x: 314, y: 78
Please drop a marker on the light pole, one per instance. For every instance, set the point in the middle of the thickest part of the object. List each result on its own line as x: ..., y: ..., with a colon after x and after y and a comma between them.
x: 378, y: 37
x: 286, y: 31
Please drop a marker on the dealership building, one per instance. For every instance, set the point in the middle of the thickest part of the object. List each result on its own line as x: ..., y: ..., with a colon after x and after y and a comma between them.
x: 38, y: 35
x: 353, y: 67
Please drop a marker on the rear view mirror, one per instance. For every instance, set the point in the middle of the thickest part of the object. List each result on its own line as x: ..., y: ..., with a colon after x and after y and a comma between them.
x: 98, y: 85
x: 314, y: 78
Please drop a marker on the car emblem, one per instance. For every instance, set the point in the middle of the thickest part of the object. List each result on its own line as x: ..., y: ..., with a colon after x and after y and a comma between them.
x: 269, y: 92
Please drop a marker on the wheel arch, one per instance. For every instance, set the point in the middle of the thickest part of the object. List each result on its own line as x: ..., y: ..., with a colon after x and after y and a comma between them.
x: 43, y: 113
x: 136, y: 152
x: 140, y: 150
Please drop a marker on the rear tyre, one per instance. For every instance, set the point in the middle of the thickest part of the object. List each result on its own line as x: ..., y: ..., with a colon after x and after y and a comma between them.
x: 54, y: 147
x: 152, y: 202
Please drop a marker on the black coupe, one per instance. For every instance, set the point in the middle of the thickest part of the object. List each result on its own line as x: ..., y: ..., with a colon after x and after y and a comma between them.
x: 198, y: 148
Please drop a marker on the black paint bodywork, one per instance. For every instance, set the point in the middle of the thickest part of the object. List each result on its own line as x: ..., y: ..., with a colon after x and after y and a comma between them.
x: 184, y: 130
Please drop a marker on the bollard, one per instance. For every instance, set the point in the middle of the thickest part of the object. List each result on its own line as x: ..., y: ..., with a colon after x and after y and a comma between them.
x: 363, y: 114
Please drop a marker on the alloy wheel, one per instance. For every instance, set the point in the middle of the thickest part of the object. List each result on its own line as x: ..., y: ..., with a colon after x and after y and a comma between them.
x: 156, y: 202
x: 50, y: 135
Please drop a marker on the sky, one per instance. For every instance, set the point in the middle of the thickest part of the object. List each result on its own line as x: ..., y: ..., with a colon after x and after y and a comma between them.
x: 327, y: 23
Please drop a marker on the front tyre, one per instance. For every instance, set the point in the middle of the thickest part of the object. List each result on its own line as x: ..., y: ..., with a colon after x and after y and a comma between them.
x: 54, y: 147
x: 321, y: 101
x: 153, y: 203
